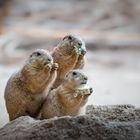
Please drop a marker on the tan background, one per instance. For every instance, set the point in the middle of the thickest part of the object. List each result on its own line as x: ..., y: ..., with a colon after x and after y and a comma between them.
x: 111, y: 29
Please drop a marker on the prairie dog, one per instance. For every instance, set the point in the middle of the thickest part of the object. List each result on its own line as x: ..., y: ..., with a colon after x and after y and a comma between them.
x: 69, y: 54
x: 27, y: 89
x: 68, y: 98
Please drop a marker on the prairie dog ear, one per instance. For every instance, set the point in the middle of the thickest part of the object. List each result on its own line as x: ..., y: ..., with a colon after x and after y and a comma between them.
x: 36, y: 53
x: 69, y: 37
x: 66, y: 77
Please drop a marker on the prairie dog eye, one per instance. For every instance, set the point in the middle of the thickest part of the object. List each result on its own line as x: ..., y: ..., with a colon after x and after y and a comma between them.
x: 74, y: 73
x: 85, y: 78
x: 79, y: 44
x: 38, y: 53
x: 49, y: 59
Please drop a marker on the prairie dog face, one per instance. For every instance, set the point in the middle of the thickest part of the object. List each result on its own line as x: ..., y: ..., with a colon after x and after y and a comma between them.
x: 39, y: 58
x: 76, y: 79
x: 71, y: 42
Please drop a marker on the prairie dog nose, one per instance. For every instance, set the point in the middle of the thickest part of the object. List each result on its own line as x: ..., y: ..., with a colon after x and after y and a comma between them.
x: 85, y: 78
x: 91, y: 90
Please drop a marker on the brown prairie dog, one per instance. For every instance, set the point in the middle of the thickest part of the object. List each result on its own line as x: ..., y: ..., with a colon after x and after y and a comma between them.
x: 68, y: 98
x: 69, y: 54
x: 27, y: 89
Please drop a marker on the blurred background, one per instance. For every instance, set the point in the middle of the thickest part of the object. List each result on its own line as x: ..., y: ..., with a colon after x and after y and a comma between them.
x: 110, y: 28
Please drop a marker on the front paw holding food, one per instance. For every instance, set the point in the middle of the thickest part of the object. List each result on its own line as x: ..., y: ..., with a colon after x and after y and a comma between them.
x: 55, y: 66
x: 83, y: 92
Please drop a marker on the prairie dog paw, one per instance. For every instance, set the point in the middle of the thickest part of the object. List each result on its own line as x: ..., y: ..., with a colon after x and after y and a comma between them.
x: 83, y: 92
x: 88, y: 92
x: 55, y: 66
x: 78, y: 50
x: 48, y: 67
x: 79, y: 92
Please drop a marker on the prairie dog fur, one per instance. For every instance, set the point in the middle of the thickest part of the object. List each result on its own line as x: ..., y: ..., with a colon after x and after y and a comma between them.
x: 68, y: 98
x: 69, y: 54
x: 27, y: 89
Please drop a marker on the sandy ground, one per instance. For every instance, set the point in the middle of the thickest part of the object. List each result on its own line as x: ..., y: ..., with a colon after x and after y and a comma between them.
x: 114, y: 76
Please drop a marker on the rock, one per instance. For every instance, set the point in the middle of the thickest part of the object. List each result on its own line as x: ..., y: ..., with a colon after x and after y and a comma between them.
x: 114, y: 112
x: 88, y: 127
